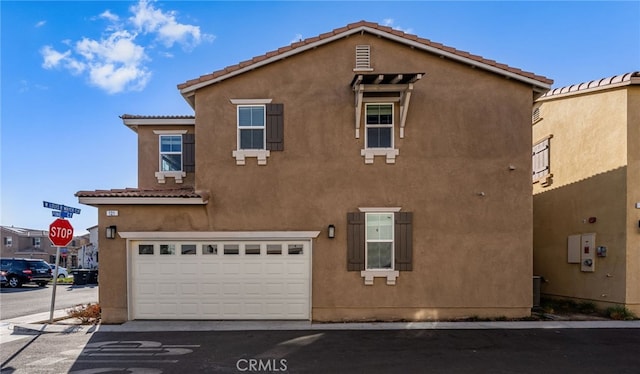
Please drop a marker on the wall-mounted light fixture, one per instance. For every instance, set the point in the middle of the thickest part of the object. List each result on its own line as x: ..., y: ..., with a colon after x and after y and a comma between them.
x: 110, y: 232
x: 331, y: 231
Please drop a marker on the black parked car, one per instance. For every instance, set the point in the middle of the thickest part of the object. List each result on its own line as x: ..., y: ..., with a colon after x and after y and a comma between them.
x: 25, y: 270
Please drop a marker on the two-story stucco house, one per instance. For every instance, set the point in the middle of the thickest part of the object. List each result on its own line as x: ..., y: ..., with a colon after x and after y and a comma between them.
x: 586, y: 178
x: 28, y: 243
x: 363, y: 174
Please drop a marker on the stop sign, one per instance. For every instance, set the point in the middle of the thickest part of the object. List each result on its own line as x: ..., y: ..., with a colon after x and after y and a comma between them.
x: 60, y: 232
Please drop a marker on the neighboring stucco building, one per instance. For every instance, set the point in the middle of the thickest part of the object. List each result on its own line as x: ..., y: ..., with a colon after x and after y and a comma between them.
x: 364, y: 174
x: 587, y: 191
x: 21, y: 242
x: 27, y: 243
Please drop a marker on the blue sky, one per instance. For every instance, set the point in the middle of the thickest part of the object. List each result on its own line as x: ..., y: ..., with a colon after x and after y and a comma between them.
x: 69, y: 69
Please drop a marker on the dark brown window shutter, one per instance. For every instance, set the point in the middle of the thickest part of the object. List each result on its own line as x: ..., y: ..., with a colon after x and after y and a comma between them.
x: 355, y: 241
x: 403, y: 250
x: 189, y: 152
x: 275, y: 127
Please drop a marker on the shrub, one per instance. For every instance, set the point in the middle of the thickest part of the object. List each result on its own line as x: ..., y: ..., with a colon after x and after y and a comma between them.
x: 620, y: 313
x: 587, y: 307
x: 87, y: 314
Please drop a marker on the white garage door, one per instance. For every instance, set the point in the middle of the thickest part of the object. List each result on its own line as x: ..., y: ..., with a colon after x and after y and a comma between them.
x: 220, y: 280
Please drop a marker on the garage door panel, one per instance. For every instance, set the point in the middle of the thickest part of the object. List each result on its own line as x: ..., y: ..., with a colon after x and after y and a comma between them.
x: 146, y: 289
x: 231, y: 268
x: 209, y: 268
x: 209, y: 289
x: 188, y: 270
x: 253, y: 268
x: 267, y: 284
x: 167, y: 289
x: 189, y: 310
x: 188, y: 289
x: 231, y: 309
x: 296, y: 289
x: 210, y: 309
x: 274, y: 268
x: 146, y: 269
x: 253, y: 289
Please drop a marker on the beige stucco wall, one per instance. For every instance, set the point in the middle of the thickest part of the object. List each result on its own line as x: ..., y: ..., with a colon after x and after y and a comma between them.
x: 472, y: 228
x: 633, y: 197
x: 588, y: 160
x: 149, y: 158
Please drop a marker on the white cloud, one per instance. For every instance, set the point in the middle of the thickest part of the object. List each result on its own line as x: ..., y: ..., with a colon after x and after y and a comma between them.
x: 52, y: 57
x: 40, y: 24
x: 117, y: 62
x: 150, y: 20
x: 390, y: 23
x: 109, y: 16
x: 115, y: 78
x: 296, y: 38
x: 25, y: 86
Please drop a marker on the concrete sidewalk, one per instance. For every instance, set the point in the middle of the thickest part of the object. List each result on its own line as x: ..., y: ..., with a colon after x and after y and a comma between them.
x: 38, y: 323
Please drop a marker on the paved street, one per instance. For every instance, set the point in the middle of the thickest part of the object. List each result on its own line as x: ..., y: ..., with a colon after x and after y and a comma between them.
x: 31, y: 299
x: 341, y: 351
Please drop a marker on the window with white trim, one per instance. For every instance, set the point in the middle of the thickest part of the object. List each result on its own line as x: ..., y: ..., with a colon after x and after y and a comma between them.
x: 170, y: 152
x: 379, y: 241
x: 251, y: 127
x: 36, y: 242
x: 8, y: 241
x: 379, y: 126
x: 379, y: 140
x: 260, y: 129
x: 175, y: 154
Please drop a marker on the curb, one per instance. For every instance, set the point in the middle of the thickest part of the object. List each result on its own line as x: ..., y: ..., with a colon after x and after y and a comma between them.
x: 204, y: 326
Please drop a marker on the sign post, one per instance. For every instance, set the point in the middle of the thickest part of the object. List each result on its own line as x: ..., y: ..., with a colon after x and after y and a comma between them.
x: 60, y: 234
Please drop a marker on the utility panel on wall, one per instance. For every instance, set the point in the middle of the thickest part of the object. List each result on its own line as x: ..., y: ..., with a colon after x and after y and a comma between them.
x: 581, y: 249
x: 588, y: 253
x: 573, y: 249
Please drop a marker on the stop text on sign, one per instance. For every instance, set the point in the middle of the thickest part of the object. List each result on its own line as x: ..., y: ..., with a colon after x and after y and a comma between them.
x: 61, y: 232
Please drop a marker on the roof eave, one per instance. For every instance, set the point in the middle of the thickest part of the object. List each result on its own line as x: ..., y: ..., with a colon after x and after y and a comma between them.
x: 119, y: 200
x: 133, y: 123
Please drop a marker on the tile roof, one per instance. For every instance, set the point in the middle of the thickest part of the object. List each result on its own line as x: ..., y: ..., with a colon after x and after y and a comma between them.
x: 354, y: 28
x: 135, y: 116
x: 604, y: 83
x: 138, y: 192
x: 24, y: 231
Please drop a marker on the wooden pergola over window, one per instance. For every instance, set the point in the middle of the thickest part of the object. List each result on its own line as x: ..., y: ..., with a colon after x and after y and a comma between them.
x: 376, y: 88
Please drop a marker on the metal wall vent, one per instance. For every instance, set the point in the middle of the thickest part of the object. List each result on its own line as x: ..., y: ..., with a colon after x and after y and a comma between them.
x: 535, y: 117
x: 363, y: 57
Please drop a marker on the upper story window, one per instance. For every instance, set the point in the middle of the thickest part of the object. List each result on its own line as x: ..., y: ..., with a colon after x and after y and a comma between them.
x: 260, y: 126
x: 378, y: 96
x: 170, y: 152
x: 176, y: 154
x: 251, y: 127
x: 35, y: 242
x: 8, y: 241
x: 379, y: 125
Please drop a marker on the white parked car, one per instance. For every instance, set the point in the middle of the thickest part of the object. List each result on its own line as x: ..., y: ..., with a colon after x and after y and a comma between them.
x: 62, y: 272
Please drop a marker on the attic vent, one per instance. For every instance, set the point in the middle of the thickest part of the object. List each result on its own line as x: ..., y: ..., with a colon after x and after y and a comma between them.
x: 535, y: 117
x: 363, y: 58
